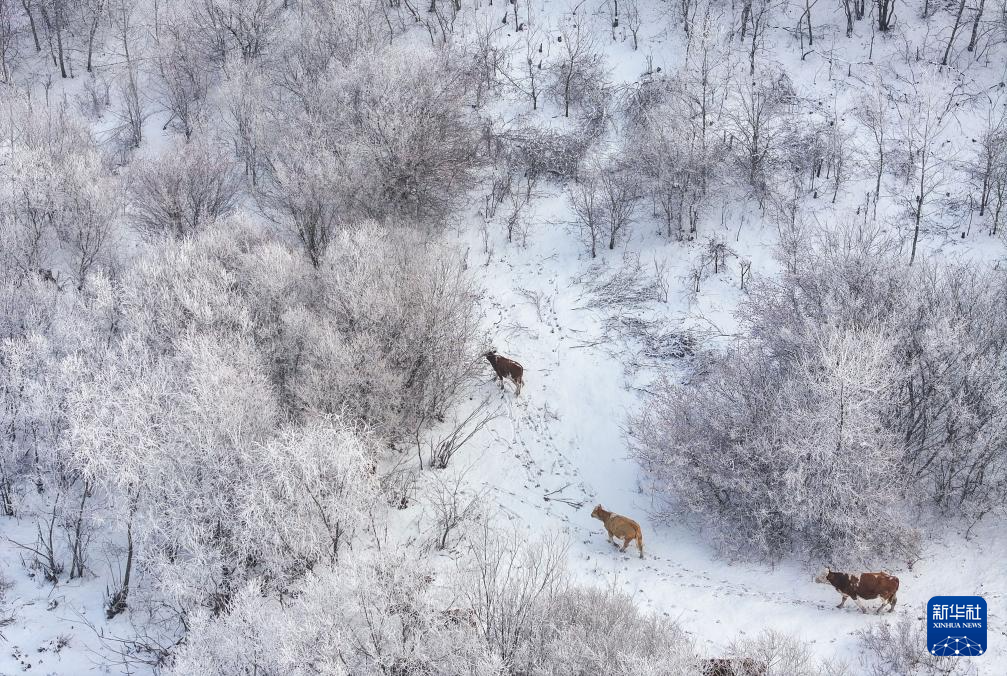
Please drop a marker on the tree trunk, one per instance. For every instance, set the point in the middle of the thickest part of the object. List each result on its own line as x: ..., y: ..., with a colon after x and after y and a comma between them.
x: 55, y: 27
x: 984, y: 196
x: 886, y: 10
x: 996, y: 212
x: 807, y: 11
x: 751, y: 56
x: 31, y: 22
x: 975, y: 25
x: 117, y: 603
x: 77, y: 546
x: 919, y: 217
x: 881, y: 171
x: 954, y: 32
x: 90, y: 39
x: 566, y: 90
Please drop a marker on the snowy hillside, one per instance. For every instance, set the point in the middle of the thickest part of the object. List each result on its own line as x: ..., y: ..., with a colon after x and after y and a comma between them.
x: 750, y: 255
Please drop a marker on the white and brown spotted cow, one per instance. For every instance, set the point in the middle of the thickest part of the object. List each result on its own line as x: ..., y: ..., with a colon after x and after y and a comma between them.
x: 865, y: 586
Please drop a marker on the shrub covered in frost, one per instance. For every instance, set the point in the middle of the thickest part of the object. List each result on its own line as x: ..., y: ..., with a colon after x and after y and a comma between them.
x: 861, y: 390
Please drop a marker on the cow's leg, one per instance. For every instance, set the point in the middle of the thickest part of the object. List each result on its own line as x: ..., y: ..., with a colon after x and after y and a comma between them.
x: 519, y: 382
x: 625, y: 543
x: 886, y: 602
x: 891, y: 603
x: 611, y: 540
x: 860, y: 604
x: 843, y: 602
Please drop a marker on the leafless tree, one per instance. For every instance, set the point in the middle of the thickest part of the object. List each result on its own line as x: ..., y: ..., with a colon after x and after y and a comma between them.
x: 9, y: 54
x: 91, y: 14
x: 579, y: 64
x: 886, y: 14
x: 806, y: 19
x: 589, y: 208
x: 29, y: 6
x: 756, y: 117
x: 686, y: 11
x: 248, y: 25
x: 87, y: 230
x: 133, y: 109
x: 184, y: 76
x: 745, y: 269
x: 671, y: 145
x: 716, y: 251
x: 849, y: 11
x: 55, y: 20
x: 453, y: 503
x: 508, y: 585
x: 873, y: 112
x: 182, y: 191
x: 488, y: 59
x: 989, y: 167
x: 519, y: 196
x: 247, y: 119
x: 44, y: 550
x: 309, y: 189
x: 976, y: 19
x: 839, y: 154
x: 954, y: 32
x: 925, y: 113
x: 443, y: 446
x: 619, y: 197
x: 633, y: 21
x: 759, y: 16
x: 527, y: 78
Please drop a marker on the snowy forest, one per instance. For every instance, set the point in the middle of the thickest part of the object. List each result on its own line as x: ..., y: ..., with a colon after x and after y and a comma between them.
x: 325, y: 324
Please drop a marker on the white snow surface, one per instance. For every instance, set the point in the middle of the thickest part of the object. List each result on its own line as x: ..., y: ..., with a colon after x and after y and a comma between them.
x: 561, y: 447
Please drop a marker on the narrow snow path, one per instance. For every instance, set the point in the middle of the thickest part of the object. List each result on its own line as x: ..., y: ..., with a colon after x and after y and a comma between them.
x: 560, y: 448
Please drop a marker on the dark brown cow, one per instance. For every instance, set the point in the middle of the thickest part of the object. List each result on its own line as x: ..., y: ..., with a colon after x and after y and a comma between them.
x: 741, y: 666
x: 863, y: 586
x: 506, y: 368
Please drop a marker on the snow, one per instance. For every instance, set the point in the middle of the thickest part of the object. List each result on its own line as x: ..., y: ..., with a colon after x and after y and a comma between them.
x: 560, y: 448
x: 47, y: 615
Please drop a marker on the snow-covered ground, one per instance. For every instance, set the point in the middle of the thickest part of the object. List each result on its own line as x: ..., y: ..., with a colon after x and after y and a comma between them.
x: 54, y: 626
x: 561, y: 447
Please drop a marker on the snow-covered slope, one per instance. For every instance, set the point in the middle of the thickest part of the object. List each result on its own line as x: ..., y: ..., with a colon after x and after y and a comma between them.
x: 561, y: 447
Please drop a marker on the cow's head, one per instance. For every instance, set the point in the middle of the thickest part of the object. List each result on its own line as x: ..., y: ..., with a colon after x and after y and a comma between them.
x: 490, y: 354
x: 823, y: 576
x: 596, y: 512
